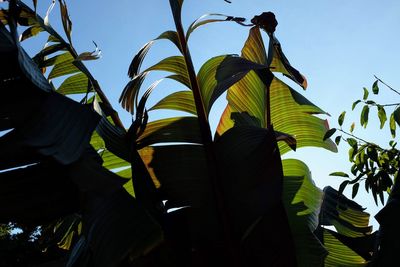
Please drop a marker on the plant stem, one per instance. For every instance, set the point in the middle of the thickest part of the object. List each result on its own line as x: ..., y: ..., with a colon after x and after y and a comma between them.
x: 388, y: 86
x: 207, y: 141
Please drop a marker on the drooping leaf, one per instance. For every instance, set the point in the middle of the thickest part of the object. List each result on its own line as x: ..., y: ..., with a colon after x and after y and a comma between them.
x: 382, y: 116
x: 63, y: 65
x: 129, y: 95
x: 114, y: 138
x: 392, y: 125
x: 340, y: 254
x: 291, y: 112
x: 136, y: 63
x: 66, y: 21
x: 347, y: 216
x: 217, y: 18
x: 39, y: 58
x: 181, y: 101
x: 364, y: 116
x: 220, y: 73
x: 30, y: 32
x: 174, y: 64
x: 279, y: 63
x: 76, y: 84
x: 180, y: 129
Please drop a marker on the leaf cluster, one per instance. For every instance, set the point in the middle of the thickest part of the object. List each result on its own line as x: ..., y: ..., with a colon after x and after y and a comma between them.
x: 376, y: 166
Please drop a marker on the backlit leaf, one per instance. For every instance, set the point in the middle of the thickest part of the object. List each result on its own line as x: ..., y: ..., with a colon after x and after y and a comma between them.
x: 63, y: 65
x: 341, y: 118
x: 382, y: 116
x: 30, y: 32
x: 181, y: 101
x: 76, y: 84
x: 134, y: 67
x: 366, y: 93
x: 353, y: 125
x: 341, y: 174
x: 392, y: 125
x: 364, y: 116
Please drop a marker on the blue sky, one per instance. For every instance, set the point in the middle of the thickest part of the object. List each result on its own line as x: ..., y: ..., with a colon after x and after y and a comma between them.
x: 338, y: 45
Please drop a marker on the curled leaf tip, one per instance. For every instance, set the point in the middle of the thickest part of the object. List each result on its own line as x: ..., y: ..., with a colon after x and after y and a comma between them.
x: 266, y: 21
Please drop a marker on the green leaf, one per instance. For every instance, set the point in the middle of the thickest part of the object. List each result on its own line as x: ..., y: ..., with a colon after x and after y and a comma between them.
x: 382, y: 116
x: 279, y: 63
x: 347, y: 216
x: 174, y: 64
x: 366, y: 93
x: 339, y: 253
x: 364, y: 116
x: 220, y: 73
x: 396, y: 115
x: 355, y: 104
x: 180, y: 101
x: 341, y: 118
x: 329, y: 133
x: 111, y: 161
x: 355, y: 190
x: 63, y: 65
x: 302, y: 200
x: 76, y: 84
x: 392, y: 125
x: 352, y: 142
x: 341, y: 174
x: 375, y: 88
x: 352, y: 127
x: 39, y: 58
x: 30, y: 32
x: 136, y: 63
x: 291, y: 112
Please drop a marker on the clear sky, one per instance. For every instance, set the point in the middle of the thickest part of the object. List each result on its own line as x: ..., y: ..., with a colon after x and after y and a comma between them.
x: 337, y: 44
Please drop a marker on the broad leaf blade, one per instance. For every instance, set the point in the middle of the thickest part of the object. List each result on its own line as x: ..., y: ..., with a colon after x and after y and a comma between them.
x: 180, y: 101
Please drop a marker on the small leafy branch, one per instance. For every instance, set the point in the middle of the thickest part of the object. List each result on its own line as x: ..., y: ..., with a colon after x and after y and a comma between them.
x: 375, y: 165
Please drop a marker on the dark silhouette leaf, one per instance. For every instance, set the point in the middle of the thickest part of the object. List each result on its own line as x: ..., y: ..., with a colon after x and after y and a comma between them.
x: 375, y: 88
x: 329, y: 133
